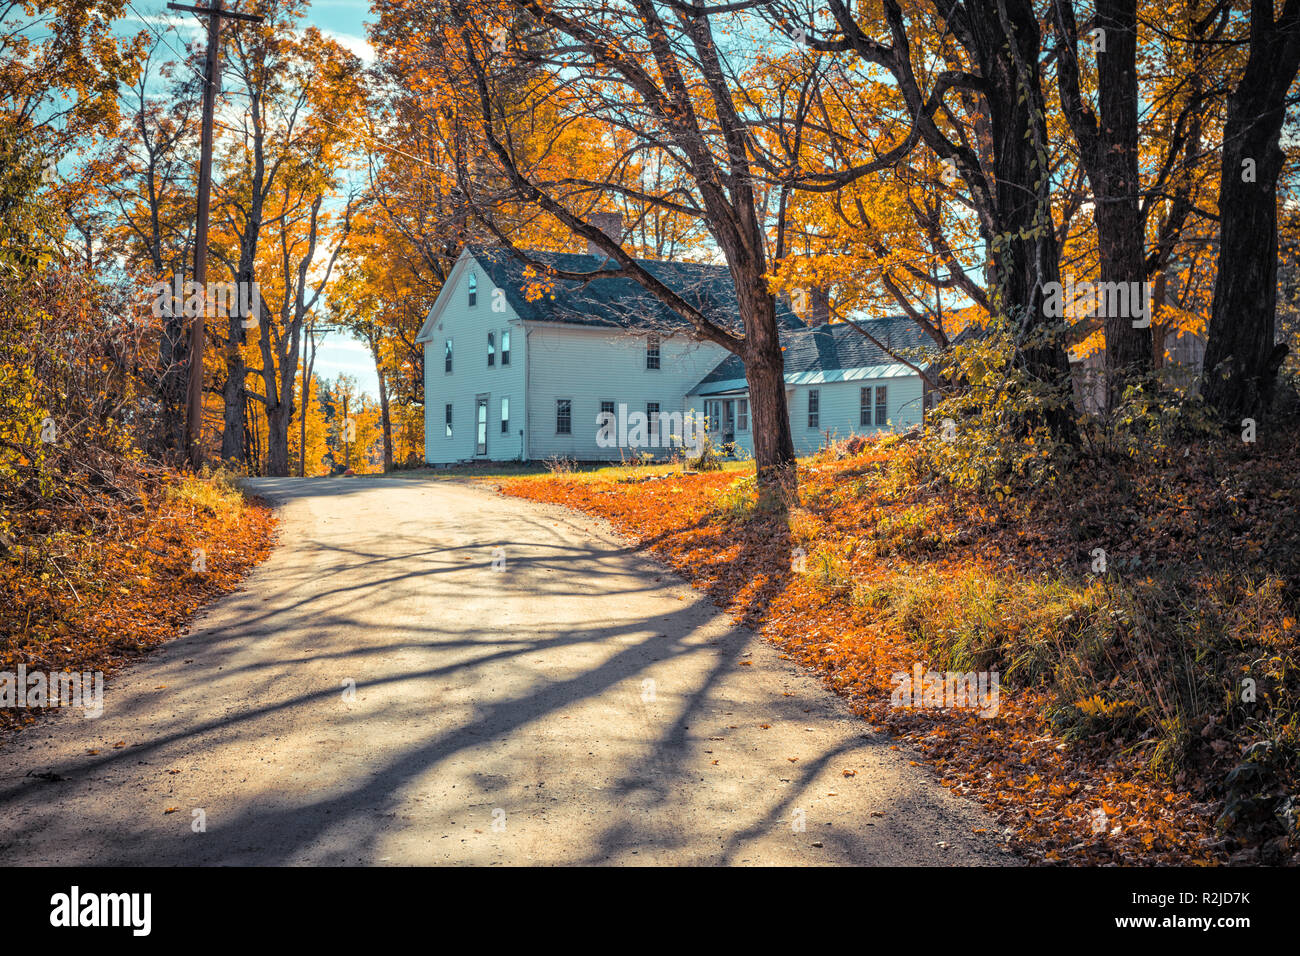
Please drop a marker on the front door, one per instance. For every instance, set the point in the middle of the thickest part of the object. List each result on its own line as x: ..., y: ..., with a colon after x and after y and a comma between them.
x: 728, y: 422
x: 481, y: 417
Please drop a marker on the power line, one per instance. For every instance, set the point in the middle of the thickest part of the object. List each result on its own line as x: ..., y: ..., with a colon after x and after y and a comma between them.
x: 351, y: 132
x: 163, y: 40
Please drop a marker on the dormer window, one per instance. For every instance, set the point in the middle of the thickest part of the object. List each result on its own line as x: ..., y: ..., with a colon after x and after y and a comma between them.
x: 473, y: 289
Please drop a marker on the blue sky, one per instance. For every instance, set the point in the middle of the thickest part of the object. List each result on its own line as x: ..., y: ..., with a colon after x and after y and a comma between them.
x: 343, y: 21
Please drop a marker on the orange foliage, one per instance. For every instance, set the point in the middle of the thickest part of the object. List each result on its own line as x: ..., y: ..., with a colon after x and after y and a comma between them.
x: 1043, y: 791
x: 96, y: 601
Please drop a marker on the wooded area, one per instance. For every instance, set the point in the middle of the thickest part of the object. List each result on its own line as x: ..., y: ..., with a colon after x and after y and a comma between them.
x: 1073, y: 202
x: 905, y: 159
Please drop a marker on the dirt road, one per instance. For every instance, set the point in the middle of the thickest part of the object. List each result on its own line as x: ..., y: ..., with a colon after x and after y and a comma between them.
x: 577, y: 705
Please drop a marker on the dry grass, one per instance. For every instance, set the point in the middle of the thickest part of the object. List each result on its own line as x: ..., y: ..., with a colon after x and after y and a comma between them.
x: 1122, y: 691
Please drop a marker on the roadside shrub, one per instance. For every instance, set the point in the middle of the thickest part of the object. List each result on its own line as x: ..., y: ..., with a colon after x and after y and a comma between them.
x: 743, y: 499
x: 849, y: 447
x: 707, y: 459
x: 1152, y: 423
x: 990, y: 434
x: 913, y: 529
x: 216, y: 492
x: 831, y: 572
x: 1144, y: 665
x: 560, y: 465
x: 739, y: 500
x: 1261, y: 795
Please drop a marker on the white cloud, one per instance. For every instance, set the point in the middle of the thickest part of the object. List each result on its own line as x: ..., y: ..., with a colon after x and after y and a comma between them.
x: 177, y: 32
x: 358, y: 45
x: 347, y: 345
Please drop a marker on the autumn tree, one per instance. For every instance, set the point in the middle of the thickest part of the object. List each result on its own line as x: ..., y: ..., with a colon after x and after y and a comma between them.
x: 286, y: 201
x: 310, y: 443
x: 262, y: 69
x: 61, y: 403
x: 358, y: 309
x: 1108, y: 153
x: 994, y: 52
x: 143, y: 193
x: 1184, y: 88
x: 659, y: 78
x: 862, y: 243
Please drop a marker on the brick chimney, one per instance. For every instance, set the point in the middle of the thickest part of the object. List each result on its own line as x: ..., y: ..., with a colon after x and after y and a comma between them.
x: 819, y: 301
x: 611, y: 224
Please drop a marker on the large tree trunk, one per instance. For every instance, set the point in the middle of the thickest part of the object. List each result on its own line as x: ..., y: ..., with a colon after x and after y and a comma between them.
x: 173, y: 360
x: 1241, y: 359
x: 1026, y: 258
x: 1115, y: 191
x: 278, y: 420
x: 253, y: 458
x: 765, y: 375
x: 1159, y: 295
x: 233, y: 393
x: 235, y: 418
x: 234, y: 421
x: 278, y: 401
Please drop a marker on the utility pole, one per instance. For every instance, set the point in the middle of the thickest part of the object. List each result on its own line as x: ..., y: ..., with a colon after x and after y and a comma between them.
x: 308, y: 339
x: 198, y: 337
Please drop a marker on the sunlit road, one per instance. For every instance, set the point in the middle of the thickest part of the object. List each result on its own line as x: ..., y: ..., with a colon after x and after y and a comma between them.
x: 580, y: 705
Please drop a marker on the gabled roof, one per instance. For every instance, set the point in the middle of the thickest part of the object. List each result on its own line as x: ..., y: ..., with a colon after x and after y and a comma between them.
x: 830, y: 353
x: 616, y: 302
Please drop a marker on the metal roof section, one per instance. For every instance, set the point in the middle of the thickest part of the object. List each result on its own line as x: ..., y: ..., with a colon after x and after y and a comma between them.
x: 829, y: 353
x: 738, y: 386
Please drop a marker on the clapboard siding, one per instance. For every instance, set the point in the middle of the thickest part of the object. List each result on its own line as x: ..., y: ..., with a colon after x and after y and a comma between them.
x: 468, y: 327
x: 839, y: 411
x: 588, y: 366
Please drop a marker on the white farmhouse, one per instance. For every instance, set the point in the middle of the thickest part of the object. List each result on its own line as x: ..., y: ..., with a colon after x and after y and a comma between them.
x: 521, y: 367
